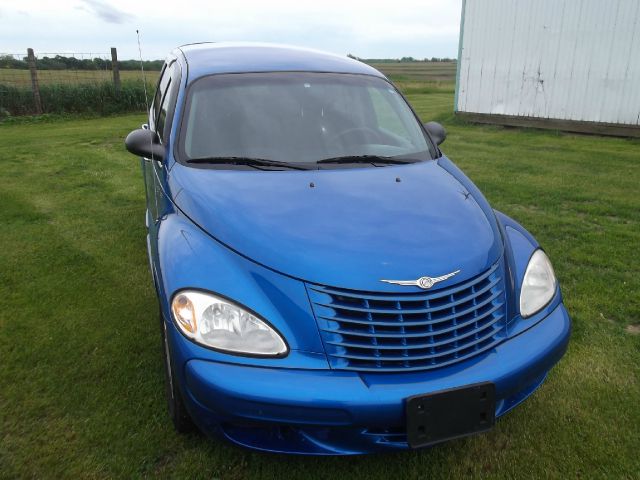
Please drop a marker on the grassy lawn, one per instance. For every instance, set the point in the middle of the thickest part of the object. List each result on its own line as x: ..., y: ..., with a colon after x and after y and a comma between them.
x: 80, y: 360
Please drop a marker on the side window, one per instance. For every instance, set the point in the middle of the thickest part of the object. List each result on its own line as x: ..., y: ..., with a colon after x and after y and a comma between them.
x: 157, y: 97
x: 167, y: 90
x: 162, y: 114
x: 387, y: 118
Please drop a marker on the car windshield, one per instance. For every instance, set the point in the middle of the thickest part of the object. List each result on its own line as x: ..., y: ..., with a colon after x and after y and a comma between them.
x: 299, y: 118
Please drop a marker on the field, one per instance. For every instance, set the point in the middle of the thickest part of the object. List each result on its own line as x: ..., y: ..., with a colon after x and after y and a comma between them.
x: 405, y: 72
x: 92, y: 91
x: 19, y: 77
x: 80, y: 361
x: 419, y: 72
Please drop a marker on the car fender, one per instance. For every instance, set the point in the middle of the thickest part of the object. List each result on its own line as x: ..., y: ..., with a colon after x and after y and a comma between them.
x: 519, y: 246
x: 190, y: 258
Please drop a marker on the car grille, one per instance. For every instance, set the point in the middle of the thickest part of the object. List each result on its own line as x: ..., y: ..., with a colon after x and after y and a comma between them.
x: 375, y: 331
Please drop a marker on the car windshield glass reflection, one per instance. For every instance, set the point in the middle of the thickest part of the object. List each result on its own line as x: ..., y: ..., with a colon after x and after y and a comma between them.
x: 300, y: 118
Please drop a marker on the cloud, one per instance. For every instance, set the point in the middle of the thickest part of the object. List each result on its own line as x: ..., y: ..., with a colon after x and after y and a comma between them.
x: 416, y: 28
x: 106, y: 12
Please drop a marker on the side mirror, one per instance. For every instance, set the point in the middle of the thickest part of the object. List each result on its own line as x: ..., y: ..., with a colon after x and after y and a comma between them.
x: 144, y: 143
x: 437, y: 132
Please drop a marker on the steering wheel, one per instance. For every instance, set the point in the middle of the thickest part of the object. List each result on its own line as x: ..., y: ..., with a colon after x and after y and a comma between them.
x: 349, y: 131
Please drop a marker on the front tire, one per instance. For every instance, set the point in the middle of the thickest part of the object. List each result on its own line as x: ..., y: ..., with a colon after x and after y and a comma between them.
x: 177, y: 411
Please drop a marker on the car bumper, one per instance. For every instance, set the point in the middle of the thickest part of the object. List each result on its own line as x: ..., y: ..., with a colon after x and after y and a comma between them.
x: 339, y: 412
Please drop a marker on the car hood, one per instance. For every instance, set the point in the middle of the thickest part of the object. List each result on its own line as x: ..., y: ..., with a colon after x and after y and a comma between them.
x: 344, y: 227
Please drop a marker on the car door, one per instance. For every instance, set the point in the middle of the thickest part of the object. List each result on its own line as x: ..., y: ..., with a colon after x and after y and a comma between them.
x: 158, y: 122
x: 155, y: 171
x: 147, y: 163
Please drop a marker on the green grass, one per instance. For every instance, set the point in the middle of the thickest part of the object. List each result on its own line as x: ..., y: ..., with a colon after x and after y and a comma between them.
x: 20, y: 77
x: 398, y: 71
x: 80, y: 361
x: 419, y: 71
x: 418, y: 77
x: 64, y: 98
x: 73, y: 91
x: 92, y: 91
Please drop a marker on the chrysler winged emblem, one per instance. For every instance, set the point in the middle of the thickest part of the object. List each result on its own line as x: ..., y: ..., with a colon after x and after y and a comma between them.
x: 423, y: 282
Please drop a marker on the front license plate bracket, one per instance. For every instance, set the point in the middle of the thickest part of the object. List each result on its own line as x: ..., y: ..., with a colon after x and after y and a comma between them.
x: 449, y: 414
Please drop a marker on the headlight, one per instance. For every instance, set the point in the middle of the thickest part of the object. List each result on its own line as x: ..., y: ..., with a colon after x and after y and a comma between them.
x: 538, y: 286
x: 214, y: 322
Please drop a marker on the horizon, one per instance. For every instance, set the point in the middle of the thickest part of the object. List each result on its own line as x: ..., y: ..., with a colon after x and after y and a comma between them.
x: 53, y: 55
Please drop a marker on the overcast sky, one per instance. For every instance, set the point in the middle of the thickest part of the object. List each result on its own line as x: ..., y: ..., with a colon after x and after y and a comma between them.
x: 426, y: 28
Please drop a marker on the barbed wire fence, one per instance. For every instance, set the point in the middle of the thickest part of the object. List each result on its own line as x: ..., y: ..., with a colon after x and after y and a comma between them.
x: 68, y: 82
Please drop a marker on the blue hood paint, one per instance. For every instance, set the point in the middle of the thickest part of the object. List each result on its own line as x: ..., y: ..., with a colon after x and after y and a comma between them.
x: 355, y: 227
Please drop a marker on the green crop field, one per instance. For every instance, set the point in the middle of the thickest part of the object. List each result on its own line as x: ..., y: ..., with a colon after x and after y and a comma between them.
x: 419, y: 71
x: 414, y: 71
x: 92, y: 91
x: 81, y: 382
x: 19, y: 77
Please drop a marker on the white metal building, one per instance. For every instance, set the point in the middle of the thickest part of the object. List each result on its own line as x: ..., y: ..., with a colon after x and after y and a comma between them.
x: 565, y: 64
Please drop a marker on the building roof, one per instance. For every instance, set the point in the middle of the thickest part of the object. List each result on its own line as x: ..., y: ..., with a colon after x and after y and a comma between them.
x: 226, y: 57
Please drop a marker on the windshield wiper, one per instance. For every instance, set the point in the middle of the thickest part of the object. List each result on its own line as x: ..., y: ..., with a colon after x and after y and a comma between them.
x: 365, y: 159
x: 251, y: 161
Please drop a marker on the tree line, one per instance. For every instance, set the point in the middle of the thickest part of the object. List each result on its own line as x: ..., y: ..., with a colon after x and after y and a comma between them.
x: 402, y: 60
x: 60, y: 62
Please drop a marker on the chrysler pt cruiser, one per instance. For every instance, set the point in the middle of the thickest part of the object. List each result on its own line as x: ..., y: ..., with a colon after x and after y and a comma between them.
x: 329, y: 281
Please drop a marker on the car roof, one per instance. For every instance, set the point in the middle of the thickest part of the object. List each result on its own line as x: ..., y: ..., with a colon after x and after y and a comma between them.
x: 227, y: 57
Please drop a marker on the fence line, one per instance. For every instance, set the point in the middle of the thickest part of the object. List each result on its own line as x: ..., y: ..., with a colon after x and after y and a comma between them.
x: 35, y: 86
x: 66, y: 82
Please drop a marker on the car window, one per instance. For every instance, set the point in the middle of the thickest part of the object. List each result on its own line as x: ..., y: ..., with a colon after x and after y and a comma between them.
x: 160, y: 91
x: 155, y: 102
x: 300, y: 117
x: 167, y: 101
x: 162, y: 114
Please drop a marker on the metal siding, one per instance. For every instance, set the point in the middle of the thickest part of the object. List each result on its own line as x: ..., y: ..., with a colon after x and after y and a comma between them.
x: 561, y: 59
x: 470, y: 66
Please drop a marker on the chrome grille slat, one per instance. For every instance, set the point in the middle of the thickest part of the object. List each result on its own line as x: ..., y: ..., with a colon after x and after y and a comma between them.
x: 420, y: 297
x: 346, y: 307
x: 426, y: 366
x: 417, y: 346
x: 414, y: 324
x: 409, y: 331
x: 416, y: 357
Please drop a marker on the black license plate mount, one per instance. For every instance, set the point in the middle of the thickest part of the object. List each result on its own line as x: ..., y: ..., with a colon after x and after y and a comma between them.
x: 447, y: 414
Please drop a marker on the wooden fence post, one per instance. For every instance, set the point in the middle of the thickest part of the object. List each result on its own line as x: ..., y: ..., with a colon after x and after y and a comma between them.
x: 35, y: 87
x: 115, y: 68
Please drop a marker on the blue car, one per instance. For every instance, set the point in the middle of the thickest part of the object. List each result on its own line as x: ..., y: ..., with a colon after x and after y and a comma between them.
x: 329, y: 281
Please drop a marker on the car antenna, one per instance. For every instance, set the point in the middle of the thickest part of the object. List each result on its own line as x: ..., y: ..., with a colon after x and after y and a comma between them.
x: 144, y: 78
x: 144, y: 85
